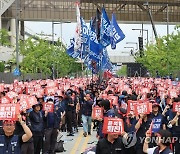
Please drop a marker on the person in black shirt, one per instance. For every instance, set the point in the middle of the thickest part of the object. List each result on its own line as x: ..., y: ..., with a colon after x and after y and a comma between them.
x: 112, y: 144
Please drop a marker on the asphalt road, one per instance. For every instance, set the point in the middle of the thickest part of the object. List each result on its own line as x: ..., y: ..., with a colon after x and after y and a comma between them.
x: 78, y: 143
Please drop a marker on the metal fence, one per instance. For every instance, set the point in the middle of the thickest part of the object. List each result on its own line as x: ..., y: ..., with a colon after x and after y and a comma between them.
x: 9, y: 77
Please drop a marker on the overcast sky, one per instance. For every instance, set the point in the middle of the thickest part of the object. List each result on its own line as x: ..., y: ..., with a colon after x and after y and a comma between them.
x: 68, y: 30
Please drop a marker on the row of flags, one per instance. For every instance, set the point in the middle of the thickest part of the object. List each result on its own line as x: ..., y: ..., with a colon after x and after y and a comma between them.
x: 89, y: 43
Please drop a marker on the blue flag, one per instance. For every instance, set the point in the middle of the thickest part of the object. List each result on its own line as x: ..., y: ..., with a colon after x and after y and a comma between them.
x: 70, y: 50
x: 106, y: 63
x: 84, y: 39
x: 105, y: 29
x: 94, y: 47
x: 116, y: 34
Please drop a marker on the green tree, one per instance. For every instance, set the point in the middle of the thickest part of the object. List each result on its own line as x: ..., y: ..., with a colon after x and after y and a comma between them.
x: 4, y: 37
x: 41, y: 56
x: 2, y: 67
x: 164, y: 56
x: 122, y: 71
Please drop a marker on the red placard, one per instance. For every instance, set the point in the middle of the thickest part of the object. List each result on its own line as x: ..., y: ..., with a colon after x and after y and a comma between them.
x: 49, y: 107
x: 50, y: 90
x: 131, y: 107
x: 11, y: 95
x: 172, y: 93
x: 22, y: 96
x: 17, y: 89
x: 97, y: 112
x: 142, y: 108
x: 32, y: 101
x: 5, y: 100
x: 29, y: 90
x: 23, y: 104
x: 1, y: 87
x: 52, y: 84
x: 113, y: 100
x: 40, y: 93
x: 9, y: 111
x: 113, y: 126
x: 176, y: 107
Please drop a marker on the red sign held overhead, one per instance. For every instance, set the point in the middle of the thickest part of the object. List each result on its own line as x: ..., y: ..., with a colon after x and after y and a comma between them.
x: 32, y: 101
x: 97, y: 112
x: 29, y: 90
x: 113, y: 100
x: 5, y: 100
x: 11, y: 95
x: 176, y: 107
x: 142, y: 108
x: 113, y: 126
x: 23, y: 104
x: 50, y: 90
x: 9, y: 111
x: 1, y: 87
x: 49, y: 107
x: 131, y: 107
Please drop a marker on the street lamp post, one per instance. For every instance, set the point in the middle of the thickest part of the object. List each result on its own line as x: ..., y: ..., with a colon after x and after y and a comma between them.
x: 53, y: 69
x: 61, y: 33
x: 142, y: 33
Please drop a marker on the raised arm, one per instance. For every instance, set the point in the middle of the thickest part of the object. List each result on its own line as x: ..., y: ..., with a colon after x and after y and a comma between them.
x: 28, y: 133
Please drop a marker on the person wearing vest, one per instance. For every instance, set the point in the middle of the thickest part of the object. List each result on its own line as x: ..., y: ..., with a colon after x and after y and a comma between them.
x: 10, y: 143
x: 37, y: 127
x: 163, y: 141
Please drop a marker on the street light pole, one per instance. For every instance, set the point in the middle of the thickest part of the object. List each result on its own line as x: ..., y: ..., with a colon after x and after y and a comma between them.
x: 17, y: 37
x: 53, y: 69
x: 142, y: 33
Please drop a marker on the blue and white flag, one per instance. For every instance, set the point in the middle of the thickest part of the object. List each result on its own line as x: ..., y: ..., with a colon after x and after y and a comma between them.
x: 94, y: 47
x: 106, y: 63
x: 116, y: 34
x: 105, y: 29
x: 84, y: 39
x: 70, y: 50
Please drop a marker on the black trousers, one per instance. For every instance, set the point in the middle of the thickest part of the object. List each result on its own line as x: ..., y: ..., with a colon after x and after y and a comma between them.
x: 74, y: 119
x: 69, y: 121
x: 38, y: 143
x: 50, y: 140
x: 27, y: 148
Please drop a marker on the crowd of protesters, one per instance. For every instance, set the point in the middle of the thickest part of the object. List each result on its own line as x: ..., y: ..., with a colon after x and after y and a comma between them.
x: 73, y: 102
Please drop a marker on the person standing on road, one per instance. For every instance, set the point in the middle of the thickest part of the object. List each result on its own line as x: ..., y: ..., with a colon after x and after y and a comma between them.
x: 86, y: 114
x: 52, y: 124
x: 37, y: 127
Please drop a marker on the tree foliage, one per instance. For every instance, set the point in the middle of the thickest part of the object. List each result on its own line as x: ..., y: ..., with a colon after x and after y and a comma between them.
x: 164, y: 56
x: 122, y: 71
x: 4, y: 37
x: 2, y: 67
x: 39, y: 56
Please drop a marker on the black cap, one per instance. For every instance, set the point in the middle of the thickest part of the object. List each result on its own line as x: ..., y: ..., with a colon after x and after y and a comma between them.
x: 166, y: 137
